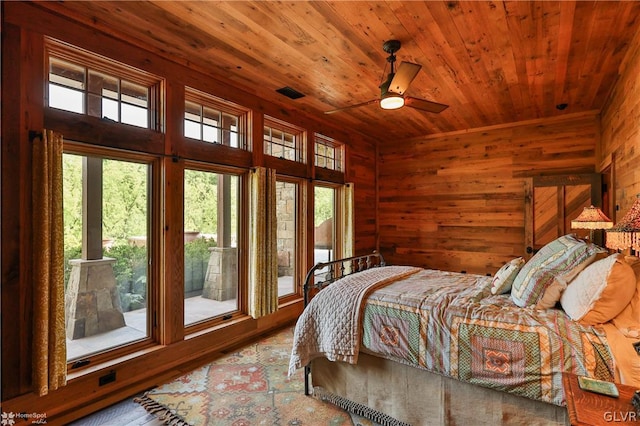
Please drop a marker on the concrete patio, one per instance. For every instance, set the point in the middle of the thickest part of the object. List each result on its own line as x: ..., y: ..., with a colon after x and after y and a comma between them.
x: 196, y: 309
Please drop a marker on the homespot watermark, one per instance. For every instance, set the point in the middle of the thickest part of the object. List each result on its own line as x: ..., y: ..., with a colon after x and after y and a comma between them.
x: 620, y: 416
x: 10, y: 419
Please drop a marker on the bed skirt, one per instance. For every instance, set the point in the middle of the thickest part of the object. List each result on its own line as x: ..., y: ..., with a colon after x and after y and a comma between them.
x: 418, y: 397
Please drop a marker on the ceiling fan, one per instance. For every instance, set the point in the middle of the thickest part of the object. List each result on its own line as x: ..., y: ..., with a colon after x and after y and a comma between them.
x: 393, y: 88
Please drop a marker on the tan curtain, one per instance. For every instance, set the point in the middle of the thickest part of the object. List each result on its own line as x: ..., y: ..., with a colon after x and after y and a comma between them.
x: 263, y: 258
x: 347, y: 220
x: 49, y: 341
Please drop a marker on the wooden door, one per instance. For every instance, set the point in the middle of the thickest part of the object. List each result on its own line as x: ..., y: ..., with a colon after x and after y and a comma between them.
x: 552, y: 202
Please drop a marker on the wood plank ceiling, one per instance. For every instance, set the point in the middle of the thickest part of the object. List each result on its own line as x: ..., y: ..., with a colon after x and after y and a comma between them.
x: 491, y: 62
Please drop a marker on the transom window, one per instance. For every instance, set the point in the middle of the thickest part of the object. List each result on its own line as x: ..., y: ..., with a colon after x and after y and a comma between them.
x: 282, y: 140
x: 328, y: 153
x: 213, y: 120
x: 101, y: 88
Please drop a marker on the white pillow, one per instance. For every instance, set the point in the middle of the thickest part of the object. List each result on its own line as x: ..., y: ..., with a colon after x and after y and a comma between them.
x: 503, y: 279
x: 600, y: 292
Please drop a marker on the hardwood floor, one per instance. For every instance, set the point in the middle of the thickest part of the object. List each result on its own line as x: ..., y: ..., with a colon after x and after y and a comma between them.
x: 124, y: 413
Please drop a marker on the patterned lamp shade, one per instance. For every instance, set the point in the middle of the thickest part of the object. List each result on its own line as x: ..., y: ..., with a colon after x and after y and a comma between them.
x: 626, y: 233
x: 591, y: 218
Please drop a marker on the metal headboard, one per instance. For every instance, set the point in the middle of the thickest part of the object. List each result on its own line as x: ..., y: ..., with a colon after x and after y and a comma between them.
x: 324, y: 273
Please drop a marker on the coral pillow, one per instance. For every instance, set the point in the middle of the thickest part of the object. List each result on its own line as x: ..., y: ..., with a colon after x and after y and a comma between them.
x: 503, y: 279
x: 600, y: 292
x: 628, y: 321
x: 554, y: 259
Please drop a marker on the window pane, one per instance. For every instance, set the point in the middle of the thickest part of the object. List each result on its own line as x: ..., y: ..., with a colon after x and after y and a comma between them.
x: 110, y: 109
x: 103, y: 94
x: 135, y: 104
x: 191, y: 129
x: 234, y: 140
x: 135, y: 115
x: 103, y: 85
x: 281, y: 144
x: 214, y: 125
x: 324, y: 214
x: 230, y: 130
x: 328, y: 153
x: 211, y: 203
x: 63, y: 73
x: 66, y: 99
x: 286, y: 214
x: 210, y: 134
x: 106, y: 273
x: 135, y: 94
x: 106, y: 95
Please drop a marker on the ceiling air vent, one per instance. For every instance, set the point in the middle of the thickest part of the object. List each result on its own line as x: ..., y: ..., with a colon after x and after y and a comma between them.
x: 290, y: 93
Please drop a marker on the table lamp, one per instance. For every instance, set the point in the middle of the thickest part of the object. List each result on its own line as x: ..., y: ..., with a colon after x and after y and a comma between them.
x: 591, y: 218
x: 626, y: 233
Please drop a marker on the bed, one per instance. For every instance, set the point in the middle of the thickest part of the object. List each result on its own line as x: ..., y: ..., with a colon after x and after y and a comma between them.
x: 406, y: 345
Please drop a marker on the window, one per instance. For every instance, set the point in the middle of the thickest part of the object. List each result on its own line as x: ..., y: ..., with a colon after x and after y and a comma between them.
x: 107, y: 251
x: 212, y: 120
x: 328, y: 153
x: 282, y: 140
x: 287, y: 195
x: 103, y: 89
x: 324, y: 224
x: 211, y: 217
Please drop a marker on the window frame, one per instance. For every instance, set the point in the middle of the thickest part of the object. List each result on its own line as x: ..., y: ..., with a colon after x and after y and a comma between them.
x: 204, y: 99
x: 338, y: 248
x: 153, y: 256
x: 300, y: 237
x: 338, y: 149
x: 299, y: 134
x: 221, y: 321
x: 95, y: 62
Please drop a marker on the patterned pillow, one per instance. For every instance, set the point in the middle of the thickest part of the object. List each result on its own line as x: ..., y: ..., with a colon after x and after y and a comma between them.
x: 503, y: 279
x: 555, y: 258
x: 551, y: 295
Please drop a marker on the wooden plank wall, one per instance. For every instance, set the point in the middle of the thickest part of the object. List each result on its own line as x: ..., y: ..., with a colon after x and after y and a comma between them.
x: 621, y: 134
x: 361, y: 170
x: 456, y: 201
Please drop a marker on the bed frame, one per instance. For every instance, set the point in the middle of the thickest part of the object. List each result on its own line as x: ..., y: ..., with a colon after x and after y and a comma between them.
x: 393, y: 393
x: 324, y: 273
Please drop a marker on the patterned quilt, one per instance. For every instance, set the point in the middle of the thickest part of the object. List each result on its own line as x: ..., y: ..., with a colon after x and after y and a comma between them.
x: 449, y: 323
x: 330, y: 324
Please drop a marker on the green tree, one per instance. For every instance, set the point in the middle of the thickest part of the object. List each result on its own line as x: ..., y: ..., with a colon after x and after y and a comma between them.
x: 72, y: 199
x: 200, y: 201
x: 323, y: 204
x: 124, y: 199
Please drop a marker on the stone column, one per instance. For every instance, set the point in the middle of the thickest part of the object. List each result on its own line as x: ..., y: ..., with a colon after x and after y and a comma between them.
x: 92, y: 301
x: 221, y: 280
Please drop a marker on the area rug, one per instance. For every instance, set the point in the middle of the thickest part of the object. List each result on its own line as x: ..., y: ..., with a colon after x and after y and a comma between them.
x: 245, y: 388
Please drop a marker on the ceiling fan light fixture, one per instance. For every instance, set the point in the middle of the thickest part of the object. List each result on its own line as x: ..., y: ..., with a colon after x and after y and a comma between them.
x: 398, y: 83
x: 391, y: 101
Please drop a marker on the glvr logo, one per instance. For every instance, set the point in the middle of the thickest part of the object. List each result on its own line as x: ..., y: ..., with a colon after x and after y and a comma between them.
x: 620, y: 416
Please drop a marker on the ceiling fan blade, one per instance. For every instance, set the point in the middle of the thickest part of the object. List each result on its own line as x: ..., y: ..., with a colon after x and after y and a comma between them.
x: 424, y: 105
x: 374, y: 101
x: 405, y: 74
